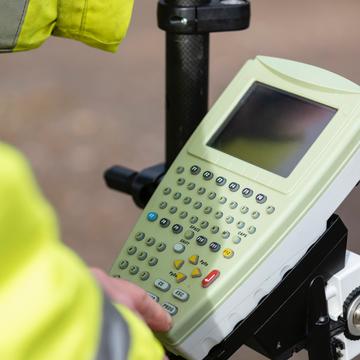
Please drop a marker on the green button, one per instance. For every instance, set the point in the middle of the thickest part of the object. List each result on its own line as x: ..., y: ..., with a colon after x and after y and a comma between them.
x: 144, y: 275
x: 153, y: 261
x: 161, y: 247
x: 123, y: 264
x: 189, y: 234
x: 142, y: 255
x: 133, y: 270
x: 139, y: 236
x: 132, y: 250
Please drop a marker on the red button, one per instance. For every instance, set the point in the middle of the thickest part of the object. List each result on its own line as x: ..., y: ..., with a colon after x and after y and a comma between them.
x: 210, y: 278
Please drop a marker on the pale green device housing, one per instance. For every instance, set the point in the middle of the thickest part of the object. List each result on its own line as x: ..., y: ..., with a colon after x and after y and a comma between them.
x: 234, y: 220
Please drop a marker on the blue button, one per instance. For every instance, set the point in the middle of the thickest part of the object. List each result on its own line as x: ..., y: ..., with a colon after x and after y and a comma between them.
x: 152, y: 216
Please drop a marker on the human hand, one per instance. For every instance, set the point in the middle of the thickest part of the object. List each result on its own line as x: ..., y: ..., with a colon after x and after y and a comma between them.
x: 123, y: 292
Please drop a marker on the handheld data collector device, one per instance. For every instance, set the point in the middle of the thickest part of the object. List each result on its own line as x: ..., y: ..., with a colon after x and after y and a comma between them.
x: 246, y: 197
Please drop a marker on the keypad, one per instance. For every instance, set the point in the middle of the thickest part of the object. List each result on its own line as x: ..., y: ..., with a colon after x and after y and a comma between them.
x: 180, y: 277
x: 214, y: 229
x: 233, y: 205
x: 212, y: 195
x: 270, y: 210
x: 197, y: 205
x: 252, y: 230
x: 196, y: 273
x: 183, y: 214
x: 201, y: 190
x: 194, y: 219
x: 222, y: 200
x: 167, y: 191
x: 228, y: 253
x: 187, y: 200
x: 180, y: 169
x: 189, y: 234
x: 163, y: 205
x: 177, y: 195
x: 208, y: 210
x: 210, y: 278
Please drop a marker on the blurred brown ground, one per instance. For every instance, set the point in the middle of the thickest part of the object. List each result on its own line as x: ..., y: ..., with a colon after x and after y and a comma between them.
x: 74, y: 110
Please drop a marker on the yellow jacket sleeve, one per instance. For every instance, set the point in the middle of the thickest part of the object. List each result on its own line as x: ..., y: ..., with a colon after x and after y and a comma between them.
x: 50, y: 306
x: 26, y: 24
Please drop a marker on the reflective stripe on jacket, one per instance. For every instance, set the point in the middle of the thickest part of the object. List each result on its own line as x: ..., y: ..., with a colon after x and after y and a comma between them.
x: 50, y: 306
x: 26, y: 24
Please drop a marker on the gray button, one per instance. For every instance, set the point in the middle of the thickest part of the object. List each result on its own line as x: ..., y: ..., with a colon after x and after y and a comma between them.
x: 144, y: 275
x: 233, y: 205
x: 229, y: 219
x: 225, y: 234
x: 208, y: 210
x: 252, y: 230
x: 233, y: 186
x: 197, y: 205
x: 139, y: 236
x: 214, y: 229
x: 131, y: 250
x: 170, y: 308
x: 177, y: 195
x: 123, y: 264
x: 154, y: 297
x: 222, y: 200
x: 180, y: 295
x: 204, y: 224
x: 255, y: 214
x: 240, y: 225
x: 161, y: 247
x: 180, y: 169
x: 261, y: 198
x: 237, y: 240
x: 244, y: 209
x: 247, y: 192
x: 153, y: 261
x: 212, y: 195
x: 191, y: 186
x: 173, y: 210
x: 201, y: 240
x: 183, y: 214
x: 133, y: 270
x: 163, y: 205
x: 167, y: 191
x: 150, y: 241
x: 219, y: 215
x: 201, y: 191
x: 189, y: 234
x: 187, y: 200
x: 270, y: 210
x: 142, y: 255
x: 194, y: 219
x: 179, y: 248
x: 180, y: 181
x: 162, y: 285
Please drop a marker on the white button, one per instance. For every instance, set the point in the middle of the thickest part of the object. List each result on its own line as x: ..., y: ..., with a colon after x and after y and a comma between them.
x: 180, y: 295
x: 162, y: 285
x: 179, y: 248
x: 170, y: 308
x: 270, y: 209
x: 252, y: 230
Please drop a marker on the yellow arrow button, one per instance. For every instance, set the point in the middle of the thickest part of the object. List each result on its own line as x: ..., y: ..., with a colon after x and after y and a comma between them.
x: 194, y: 259
x: 178, y: 264
x: 180, y: 277
x: 196, y: 273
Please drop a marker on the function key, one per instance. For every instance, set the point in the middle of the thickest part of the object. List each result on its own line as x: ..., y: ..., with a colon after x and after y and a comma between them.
x: 167, y: 191
x: 208, y: 175
x: 270, y: 210
x: 131, y: 250
x: 150, y: 241
x: 139, y: 236
x: 233, y: 186
x: 144, y: 275
x: 170, y: 308
x: 180, y: 277
x: 153, y: 261
x: 196, y: 273
x: 210, y: 278
x: 228, y: 253
x: 180, y: 169
x: 220, y: 181
x: 177, y: 229
x: 247, y: 192
x: 152, y: 216
x: 133, y: 270
x: 190, y: 186
x: 180, y: 181
x: 178, y: 264
x: 201, y: 240
x: 162, y: 285
x: 214, y: 247
x: 154, y: 297
x: 194, y: 259
x: 164, y: 223
x: 123, y: 264
x: 212, y: 195
x: 201, y: 190
x: 161, y: 247
x: 261, y: 198
x: 181, y: 295
x: 179, y: 248
x: 195, y: 170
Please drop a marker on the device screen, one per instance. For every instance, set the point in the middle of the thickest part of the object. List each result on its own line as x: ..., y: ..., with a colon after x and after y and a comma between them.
x: 272, y: 129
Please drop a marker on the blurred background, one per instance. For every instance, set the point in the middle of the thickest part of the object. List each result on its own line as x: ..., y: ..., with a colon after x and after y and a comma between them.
x: 74, y: 111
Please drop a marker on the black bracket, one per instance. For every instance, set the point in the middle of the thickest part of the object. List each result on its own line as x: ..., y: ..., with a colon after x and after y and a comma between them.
x: 214, y: 16
x: 294, y: 316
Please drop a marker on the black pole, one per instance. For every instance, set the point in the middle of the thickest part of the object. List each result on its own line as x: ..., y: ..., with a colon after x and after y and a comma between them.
x: 187, y: 83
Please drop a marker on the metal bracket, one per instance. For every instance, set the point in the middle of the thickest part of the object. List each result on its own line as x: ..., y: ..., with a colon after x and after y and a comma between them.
x: 215, y: 16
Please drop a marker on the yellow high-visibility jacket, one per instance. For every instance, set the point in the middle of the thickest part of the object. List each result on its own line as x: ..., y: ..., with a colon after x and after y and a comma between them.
x: 50, y: 306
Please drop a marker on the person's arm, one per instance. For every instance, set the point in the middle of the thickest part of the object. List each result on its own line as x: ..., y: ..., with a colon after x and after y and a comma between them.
x: 26, y: 24
x: 51, y: 306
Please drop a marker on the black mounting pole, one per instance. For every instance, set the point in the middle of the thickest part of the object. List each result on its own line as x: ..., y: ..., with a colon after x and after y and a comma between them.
x: 187, y: 82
